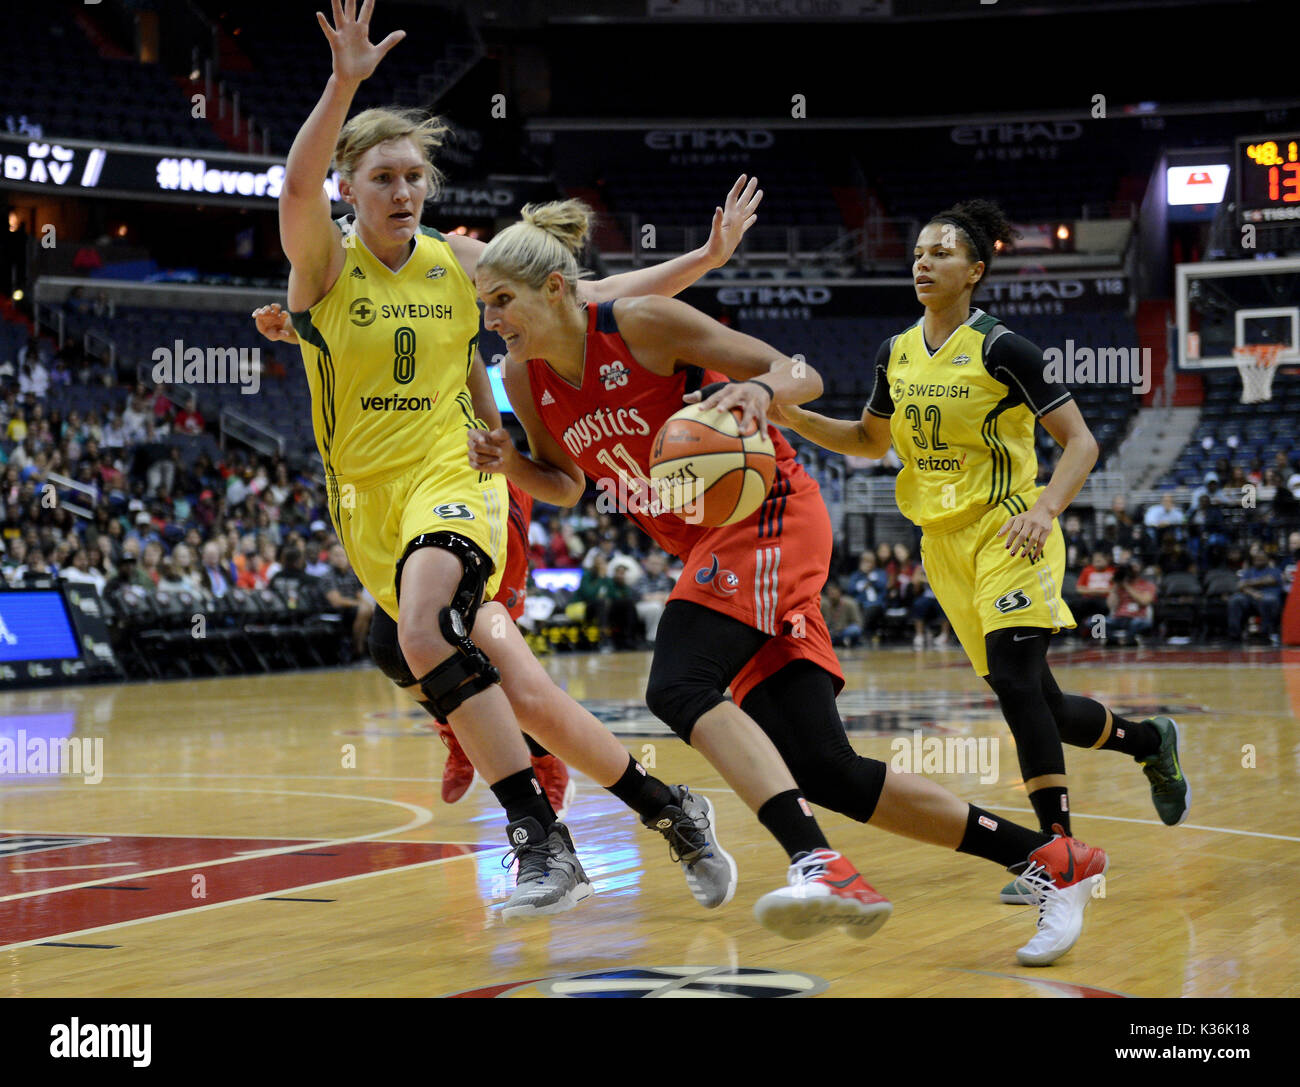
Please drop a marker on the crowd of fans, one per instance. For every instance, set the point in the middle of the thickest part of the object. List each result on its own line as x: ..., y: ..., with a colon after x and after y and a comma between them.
x: 168, y: 511
x: 1218, y: 569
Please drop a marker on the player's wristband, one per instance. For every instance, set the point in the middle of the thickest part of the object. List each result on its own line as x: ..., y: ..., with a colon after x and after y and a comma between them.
x: 765, y: 387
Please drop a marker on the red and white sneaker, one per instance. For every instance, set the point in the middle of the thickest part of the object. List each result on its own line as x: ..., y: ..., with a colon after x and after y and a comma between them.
x: 458, y: 774
x: 1064, y: 873
x: 824, y: 891
x: 553, y: 776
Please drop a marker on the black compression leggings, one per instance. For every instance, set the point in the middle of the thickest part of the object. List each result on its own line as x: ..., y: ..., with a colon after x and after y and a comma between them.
x: 698, y: 653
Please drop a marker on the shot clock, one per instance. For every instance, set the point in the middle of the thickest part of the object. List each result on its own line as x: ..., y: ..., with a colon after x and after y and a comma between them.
x: 1268, y: 178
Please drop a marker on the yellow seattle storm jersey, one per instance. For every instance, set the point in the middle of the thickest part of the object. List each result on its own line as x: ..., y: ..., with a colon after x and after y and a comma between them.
x: 387, y: 357
x: 962, y: 419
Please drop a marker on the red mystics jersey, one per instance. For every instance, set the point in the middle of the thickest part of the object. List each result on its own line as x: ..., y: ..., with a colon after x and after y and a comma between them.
x: 767, y: 570
x: 609, y: 424
x: 514, y: 582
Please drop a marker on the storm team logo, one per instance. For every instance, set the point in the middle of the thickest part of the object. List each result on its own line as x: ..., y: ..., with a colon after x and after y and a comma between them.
x: 724, y: 582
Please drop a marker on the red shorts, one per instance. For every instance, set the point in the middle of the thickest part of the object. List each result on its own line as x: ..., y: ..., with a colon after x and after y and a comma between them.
x: 514, y: 582
x: 768, y: 572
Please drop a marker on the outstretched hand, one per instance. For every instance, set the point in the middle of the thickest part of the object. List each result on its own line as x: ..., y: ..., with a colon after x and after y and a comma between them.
x: 732, y: 220
x: 354, y: 57
x: 274, y: 323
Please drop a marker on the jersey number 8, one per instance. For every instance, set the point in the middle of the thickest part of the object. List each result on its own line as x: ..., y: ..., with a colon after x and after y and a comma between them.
x: 404, y: 355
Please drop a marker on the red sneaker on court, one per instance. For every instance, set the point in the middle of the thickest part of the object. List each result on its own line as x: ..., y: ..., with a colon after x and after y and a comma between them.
x: 824, y: 891
x: 553, y: 777
x: 458, y: 774
x: 1064, y: 872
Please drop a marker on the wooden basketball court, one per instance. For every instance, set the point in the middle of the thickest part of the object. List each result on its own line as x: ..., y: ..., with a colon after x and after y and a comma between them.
x: 282, y: 835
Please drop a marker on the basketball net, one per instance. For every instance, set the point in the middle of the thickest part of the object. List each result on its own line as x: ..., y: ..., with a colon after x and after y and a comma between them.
x: 1257, y: 364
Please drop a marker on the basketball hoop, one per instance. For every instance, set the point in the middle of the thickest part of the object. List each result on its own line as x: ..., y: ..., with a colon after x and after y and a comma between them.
x: 1257, y: 363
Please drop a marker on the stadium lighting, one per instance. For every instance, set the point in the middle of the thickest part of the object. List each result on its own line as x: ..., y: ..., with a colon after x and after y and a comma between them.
x: 18, y: 295
x: 1063, y: 233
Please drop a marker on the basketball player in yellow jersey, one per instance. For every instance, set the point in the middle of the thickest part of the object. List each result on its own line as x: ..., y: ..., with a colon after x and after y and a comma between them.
x: 388, y: 319
x: 958, y: 394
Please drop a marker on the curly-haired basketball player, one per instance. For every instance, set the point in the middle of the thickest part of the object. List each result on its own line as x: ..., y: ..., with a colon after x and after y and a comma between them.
x: 958, y: 393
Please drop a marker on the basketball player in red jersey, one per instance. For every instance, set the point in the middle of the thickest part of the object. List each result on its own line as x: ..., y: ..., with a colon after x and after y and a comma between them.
x: 592, y: 385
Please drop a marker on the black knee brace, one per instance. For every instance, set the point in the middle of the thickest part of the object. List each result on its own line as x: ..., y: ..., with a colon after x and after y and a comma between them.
x: 469, y: 672
x: 385, y: 650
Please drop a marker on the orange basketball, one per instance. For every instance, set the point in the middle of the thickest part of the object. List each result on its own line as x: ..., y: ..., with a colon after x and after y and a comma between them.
x: 706, y: 471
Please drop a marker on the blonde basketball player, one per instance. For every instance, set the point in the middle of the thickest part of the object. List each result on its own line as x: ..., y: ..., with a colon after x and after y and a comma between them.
x: 388, y: 321
x: 958, y: 393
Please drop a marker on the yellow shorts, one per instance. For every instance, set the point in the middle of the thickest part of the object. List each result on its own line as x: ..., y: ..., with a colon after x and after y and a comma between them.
x: 442, y: 494
x: 982, y: 588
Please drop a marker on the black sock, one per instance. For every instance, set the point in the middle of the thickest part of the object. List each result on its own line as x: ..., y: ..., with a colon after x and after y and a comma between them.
x: 999, y: 840
x: 790, y: 821
x: 641, y: 791
x: 1051, y: 805
x: 535, y: 749
x: 523, y: 798
x: 1136, y: 738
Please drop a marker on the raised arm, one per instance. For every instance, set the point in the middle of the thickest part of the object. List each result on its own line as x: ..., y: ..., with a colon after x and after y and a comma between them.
x: 671, y: 277
x: 730, y: 223
x: 310, y: 240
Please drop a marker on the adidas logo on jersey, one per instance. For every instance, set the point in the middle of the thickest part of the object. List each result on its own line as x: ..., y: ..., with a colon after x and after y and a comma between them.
x: 903, y: 360
x: 547, y: 398
x: 357, y: 273
x: 436, y: 272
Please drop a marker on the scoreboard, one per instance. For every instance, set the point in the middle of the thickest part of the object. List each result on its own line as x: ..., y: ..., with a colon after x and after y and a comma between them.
x: 1268, y: 178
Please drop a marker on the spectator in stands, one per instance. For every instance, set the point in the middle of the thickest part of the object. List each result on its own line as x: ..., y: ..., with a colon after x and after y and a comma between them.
x: 79, y: 572
x: 128, y: 575
x: 654, y: 588
x: 281, y: 487
x: 867, y: 585
x: 16, y: 431
x: 343, y: 592
x: 842, y: 614
x: 924, y: 610
x: 1206, y: 515
x: 253, y: 576
x: 1164, y: 513
x: 1209, y: 487
x: 1131, y: 602
x: 1283, y: 503
x: 1260, y: 593
x: 1292, y: 561
x: 296, y: 587
x: 150, y: 559
x: 133, y: 419
x: 270, y: 560
x: 218, y: 577
x: 185, y: 567
x: 903, y: 565
x: 189, y: 420
x: 318, y: 550
x: 170, y: 579
x: 1094, y: 585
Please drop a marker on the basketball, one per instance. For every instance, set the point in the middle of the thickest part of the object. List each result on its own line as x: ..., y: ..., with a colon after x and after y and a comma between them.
x: 707, y: 471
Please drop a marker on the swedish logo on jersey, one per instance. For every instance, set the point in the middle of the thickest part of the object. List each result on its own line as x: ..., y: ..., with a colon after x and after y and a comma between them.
x: 362, y: 312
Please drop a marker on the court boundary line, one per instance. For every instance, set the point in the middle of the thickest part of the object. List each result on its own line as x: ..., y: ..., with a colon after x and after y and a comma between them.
x: 427, y: 817
x: 1157, y: 823
x: 232, y: 902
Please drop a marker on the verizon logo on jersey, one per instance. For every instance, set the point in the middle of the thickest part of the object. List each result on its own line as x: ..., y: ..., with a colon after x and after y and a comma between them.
x: 602, y: 423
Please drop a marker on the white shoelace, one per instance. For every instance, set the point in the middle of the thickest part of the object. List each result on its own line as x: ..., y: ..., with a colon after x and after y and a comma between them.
x: 808, y: 868
x: 1036, y: 876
